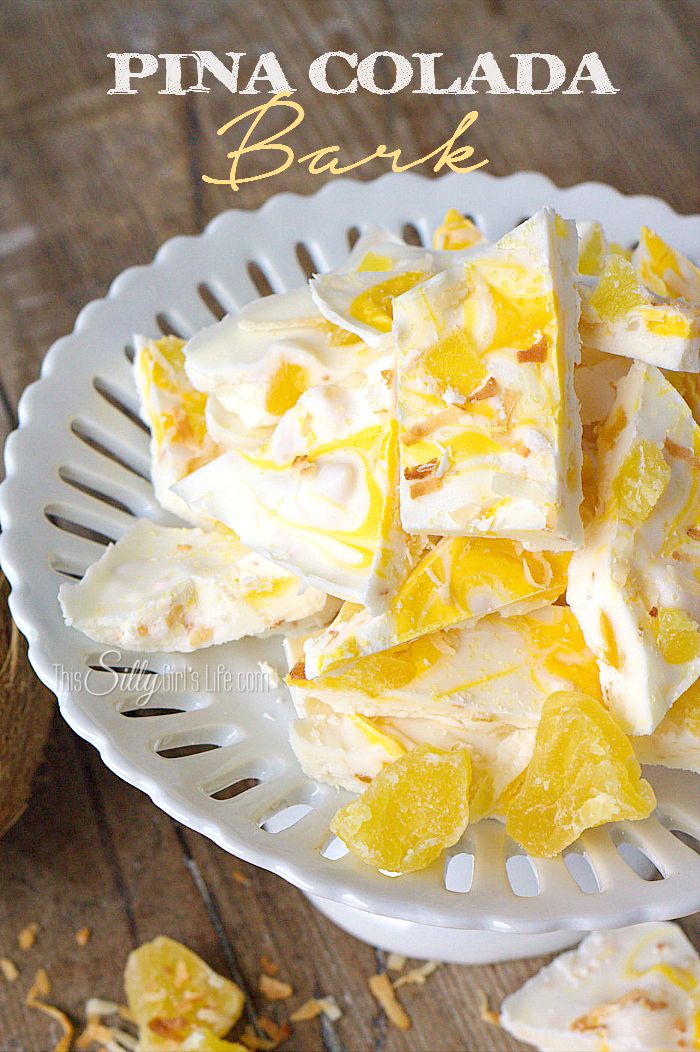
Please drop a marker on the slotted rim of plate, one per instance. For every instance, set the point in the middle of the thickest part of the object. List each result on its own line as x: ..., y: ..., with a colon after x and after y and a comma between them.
x: 77, y: 472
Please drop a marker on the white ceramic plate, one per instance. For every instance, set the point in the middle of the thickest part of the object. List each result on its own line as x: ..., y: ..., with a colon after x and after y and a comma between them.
x: 77, y: 471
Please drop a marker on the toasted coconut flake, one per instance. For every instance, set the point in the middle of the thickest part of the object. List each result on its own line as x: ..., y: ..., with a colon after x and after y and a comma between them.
x: 315, y: 1007
x: 268, y: 966
x: 298, y: 671
x: 330, y: 1008
x: 421, y: 471
x: 107, y: 1037
x: 383, y: 992
x: 175, y: 1027
x: 309, y: 1010
x: 682, y: 453
x: 27, y: 936
x: 536, y: 353
x: 182, y: 974
x: 425, y: 486
x: 596, y: 1018
x: 521, y: 449
x: 100, y: 1033
x: 64, y: 1043
x: 685, y: 557
x: 82, y: 936
x: 272, y: 674
x: 9, y: 969
x: 486, y: 1013
x: 433, y: 423
x: 95, y: 1033
x: 96, y: 1007
x: 255, y: 1043
x: 274, y: 989
x: 278, y: 1032
x: 417, y: 975
x: 240, y: 878
x: 396, y: 962
x: 41, y: 987
x: 487, y: 390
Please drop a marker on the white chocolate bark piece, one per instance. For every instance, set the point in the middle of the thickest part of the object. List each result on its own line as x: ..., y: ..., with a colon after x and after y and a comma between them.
x: 456, y: 231
x: 175, y: 413
x: 257, y: 368
x: 490, y: 440
x: 319, y: 498
x: 595, y: 380
x: 228, y: 430
x: 676, y: 740
x: 664, y: 270
x: 622, y: 990
x: 349, y: 751
x: 592, y: 247
x: 358, y: 296
x: 635, y: 584
x: 688, y: 387
x: 499, y: 669
x: 620, y: 316
x: 456, y: 581
x: 168, y: 589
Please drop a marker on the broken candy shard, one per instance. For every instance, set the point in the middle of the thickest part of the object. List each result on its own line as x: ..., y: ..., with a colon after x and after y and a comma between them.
x: 457, y: 581
x: 634, y: 586
x: 676, y: 740
x: 165, y: 589
x: 455, y: 232
x: 501, y: 668
x: 259, y: 362
x: 174, y: 411
x: 358, y: 296
x: 630, y: 988
x: 319, y: 498
x: 620, y: 316
x: 485, y: 392
x: 664, y: 270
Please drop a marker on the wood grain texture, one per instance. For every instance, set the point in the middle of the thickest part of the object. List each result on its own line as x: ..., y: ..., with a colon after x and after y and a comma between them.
x: 90, y: 184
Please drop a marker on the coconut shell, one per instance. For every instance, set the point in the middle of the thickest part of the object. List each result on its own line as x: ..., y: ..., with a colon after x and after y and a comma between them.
x: 26, y: 708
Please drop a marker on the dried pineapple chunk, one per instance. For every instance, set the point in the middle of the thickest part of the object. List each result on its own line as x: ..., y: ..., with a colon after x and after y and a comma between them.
x: 643, y: 477
x: 583, y: 773
x: 664, y: 270
x: 173, y: 995
x: 677, y: 636
x: 414, y: 809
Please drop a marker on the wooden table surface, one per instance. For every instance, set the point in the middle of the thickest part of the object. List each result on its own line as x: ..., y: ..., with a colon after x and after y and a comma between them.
x: 92, y: 183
